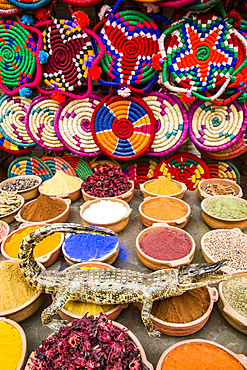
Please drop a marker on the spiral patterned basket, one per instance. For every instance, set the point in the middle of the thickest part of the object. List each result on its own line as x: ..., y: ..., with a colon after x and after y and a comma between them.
x: 40, y: 123
x: 184, y: 167
x: 140, y: 170
x: 13, y: 110
x: 171, y: 122
x: 57, y: 163
x: 29, y: 166
x: 81, y: 167
x: 9, y: 147
x: 213, y: 128
x: 131, y: 40
x: 123, y: 128
x: 223, y: 170
x: 70, y: 55
x: 29, y: 4
x: 7, y: 9
x: 73, y: 125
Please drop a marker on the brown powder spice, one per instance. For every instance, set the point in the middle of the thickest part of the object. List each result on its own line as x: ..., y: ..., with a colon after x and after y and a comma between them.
x: 165, y: 209
x: 42, y: 209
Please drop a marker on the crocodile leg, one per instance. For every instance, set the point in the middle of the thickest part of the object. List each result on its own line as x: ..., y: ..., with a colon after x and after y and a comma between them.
x: 145, y: 314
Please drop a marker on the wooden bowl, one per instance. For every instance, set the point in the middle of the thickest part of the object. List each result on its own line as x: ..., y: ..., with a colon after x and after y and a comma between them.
x: 125, y: 196
x: 27, y: 194
x: 46, y: 260
x: 72, y: 195
x: 10, y: 217
x: 111, y: 314
x: 156, y: 264
x: 23, y: 358
x: 234, y: 318
x: 4, y: 226
x: 63, y: 217
x: 188, y: 328
x: 131, y: 336
x: 202, y: 194
x: 178, y: 195
x: 241, y: 358
x: 116, y: 226
x: 148, y: 221
x: 216, y: 222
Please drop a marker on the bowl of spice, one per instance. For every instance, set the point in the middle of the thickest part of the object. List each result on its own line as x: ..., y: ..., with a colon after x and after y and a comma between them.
x: 108, y: 182
x: 18, y: 299
x: 161, y: 246
x: 25, y: 185
x: 90, y: 247
x: 110, y: 213
x: 233, y: 301
x: 10, y: 204
x: 163, y: 186
x: 228, y: 244
x: 45, y: 252
x: 211, y: 187
x: 44, y: 209
x: 13, y: 349
x: 224, y: 212
x: 90, y: 340
x: 173, y: 211
x: 185, y: 314
x: 4, y: 230
x: 200, y: 354
x: 62, y: 185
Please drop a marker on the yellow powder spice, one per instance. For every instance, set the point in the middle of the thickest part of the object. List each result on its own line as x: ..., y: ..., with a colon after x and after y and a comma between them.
x: 10, y: 346
x: 164, y: 209
x: 61, y: 183
x: 162, y: 186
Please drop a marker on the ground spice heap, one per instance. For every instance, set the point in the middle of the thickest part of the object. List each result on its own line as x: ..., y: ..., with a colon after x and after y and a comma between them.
x: 166, y: 245
x: 226, y: 207
x: 162, y: 186
x: 164, y: 209
x: 185, y: 308
x: 10, y: 346
x: 235, y: 293
x: 14, y: 288
x: 104, y: 212
x: 42, y: 209
x: 61, y: 183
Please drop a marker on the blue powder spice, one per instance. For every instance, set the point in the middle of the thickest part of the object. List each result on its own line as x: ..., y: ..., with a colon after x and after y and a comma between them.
x: 83, y: 247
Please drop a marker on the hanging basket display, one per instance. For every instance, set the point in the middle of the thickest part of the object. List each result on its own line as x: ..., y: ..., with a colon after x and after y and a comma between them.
x: 57, y: 163
x: 223, y: 170
x: 184, y: 167
x: 7, y: 9
x: 29, y: 166
x: 73, y: 125
x: 40, y: 123
x: 171, y: 122
x: 9, y: 147
x: 123, y: 128
x: 140, y: 170
x: 81, y: 167
x: 213, y: 128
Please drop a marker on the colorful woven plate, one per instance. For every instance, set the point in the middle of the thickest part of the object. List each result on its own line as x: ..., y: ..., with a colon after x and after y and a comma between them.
x: 213, y: 128
x: 81, y: 167
x: 131, y: 40
x: 184, y: 167
x: 29, y: 4
x: 73, y: 125
x: 70, y: 55
x: 13, y: 110
x: 82, y: 3
x: 123, y: 128
x: 7, y: 9
x: 9, y: 147
x: 223, y: 170
x: 140, y: 170
x: 171, y: 122
x: 57, y: 163
x: 40, y: 123
x: 29, y: 166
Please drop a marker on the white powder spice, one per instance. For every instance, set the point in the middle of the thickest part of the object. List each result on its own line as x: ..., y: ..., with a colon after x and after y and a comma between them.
x: 104, y: 212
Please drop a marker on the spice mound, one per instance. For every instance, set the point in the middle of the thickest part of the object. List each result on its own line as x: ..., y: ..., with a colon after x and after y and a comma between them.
x: 9, y: 202
x: 10, y: 346
x: 90, y: 341
x: 107, y: 181
x: 226, y: 207
x: 163, y: 186
x: 187, y: 307
x: 200, y: 356
x: 104, y: 212
x: 166, y: 245
x: 61, y: 183
x: 15, y: 290
x: 235, y: 293
x: 20, y: 184
x: 218, y: 189
x: 164, y: 209
x: 42, y: 209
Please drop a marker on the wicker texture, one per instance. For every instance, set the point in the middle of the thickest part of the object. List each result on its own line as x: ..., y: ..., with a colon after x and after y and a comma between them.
x: 29, y: 4
x: 9, y: 147
x: 82, y: 3
x: 56, y: 163
x: 140, y: 170
x: 7, y: 9
x: 29, y: 166
x: 223, y: 170
x: 81, y: 167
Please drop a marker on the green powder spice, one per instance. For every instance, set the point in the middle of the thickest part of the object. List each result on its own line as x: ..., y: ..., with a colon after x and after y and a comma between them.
x: 226, y: 207
x: 235, y: 293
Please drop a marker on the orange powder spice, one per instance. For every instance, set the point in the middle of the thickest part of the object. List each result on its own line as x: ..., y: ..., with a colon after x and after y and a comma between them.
x: 164, y: 209
x: 198, y: 356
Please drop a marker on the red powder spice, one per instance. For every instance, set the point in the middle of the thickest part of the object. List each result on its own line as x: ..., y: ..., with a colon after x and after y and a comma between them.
x: 166, y: 245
